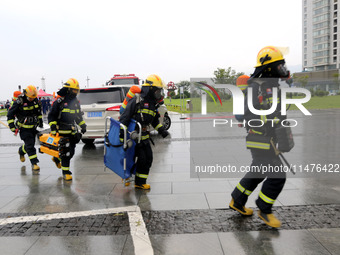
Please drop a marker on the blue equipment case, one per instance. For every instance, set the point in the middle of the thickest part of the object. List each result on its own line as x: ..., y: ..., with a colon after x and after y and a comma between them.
x: 121, y: 161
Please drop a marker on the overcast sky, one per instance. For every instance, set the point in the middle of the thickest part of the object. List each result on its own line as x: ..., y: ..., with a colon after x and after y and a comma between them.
x: 175, y: 39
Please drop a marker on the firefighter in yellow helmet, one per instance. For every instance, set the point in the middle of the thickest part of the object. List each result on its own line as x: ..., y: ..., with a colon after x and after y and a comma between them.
x: 25, y: 114
x: 261, y: 140
x: 63, y: 119
x: 144, y: 111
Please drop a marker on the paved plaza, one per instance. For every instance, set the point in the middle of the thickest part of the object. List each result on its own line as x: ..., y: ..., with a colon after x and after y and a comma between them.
x: 185, y: 212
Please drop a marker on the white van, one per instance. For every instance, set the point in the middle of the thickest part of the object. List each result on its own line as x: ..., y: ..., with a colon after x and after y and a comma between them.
x: 102, y: 102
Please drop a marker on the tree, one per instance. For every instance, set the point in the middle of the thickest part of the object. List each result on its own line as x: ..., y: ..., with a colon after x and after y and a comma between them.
x: 186, y: 94
x: 226, y: 76
x: 172, y: 94
x: 184, y: 84
x: 303, y: 80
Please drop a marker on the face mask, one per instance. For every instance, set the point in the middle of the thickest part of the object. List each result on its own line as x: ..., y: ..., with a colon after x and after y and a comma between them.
x: 62, y: 92
x: 283, y: 71
x: 72, y: 95
x: 158, y: 94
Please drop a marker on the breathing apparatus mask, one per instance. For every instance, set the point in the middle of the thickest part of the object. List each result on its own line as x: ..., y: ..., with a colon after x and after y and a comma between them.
x: 157, y: 93
x: 154, y: 93
x: 67, y: 91
x: 282, y: 71
x: 276, y: 70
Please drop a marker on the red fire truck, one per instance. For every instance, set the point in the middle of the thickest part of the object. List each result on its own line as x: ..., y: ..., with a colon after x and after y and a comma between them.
x: 123, y: 79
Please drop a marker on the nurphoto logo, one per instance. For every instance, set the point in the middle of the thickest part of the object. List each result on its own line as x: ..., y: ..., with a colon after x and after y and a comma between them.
x: 238, y: 104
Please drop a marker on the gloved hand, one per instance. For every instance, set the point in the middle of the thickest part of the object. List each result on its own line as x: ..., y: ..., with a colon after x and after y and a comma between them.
x: 53, y: 129
x: 12, y: 127
x: 121, y: 135
x: 164, y: 133
x: 83, y: 129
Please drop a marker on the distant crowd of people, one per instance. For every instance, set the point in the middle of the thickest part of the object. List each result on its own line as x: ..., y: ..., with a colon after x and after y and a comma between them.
x: 45, y: 104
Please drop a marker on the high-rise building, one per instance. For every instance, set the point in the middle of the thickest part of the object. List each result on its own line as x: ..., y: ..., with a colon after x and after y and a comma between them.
x: 320, y: 35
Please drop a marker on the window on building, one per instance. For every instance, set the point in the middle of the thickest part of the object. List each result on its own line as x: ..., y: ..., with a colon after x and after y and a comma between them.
x: 321, y: 46
x: 320, y: 68
x: 335, y: 44
x: 335, y: 22
x: 334, y: 59
x: 335, y: 29
x: 305, y: 44
x: 335, y: 37
x: 334, y: 52
x: 335, y: 7
x: 321, y: 32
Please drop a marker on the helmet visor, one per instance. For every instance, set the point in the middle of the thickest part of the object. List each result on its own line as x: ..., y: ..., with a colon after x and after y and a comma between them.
x: 283, y: 70
x: 158, y: 93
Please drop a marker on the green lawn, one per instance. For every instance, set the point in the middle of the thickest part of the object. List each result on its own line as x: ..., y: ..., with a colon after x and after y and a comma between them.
x: 326, y: 102
x: 3, y: 112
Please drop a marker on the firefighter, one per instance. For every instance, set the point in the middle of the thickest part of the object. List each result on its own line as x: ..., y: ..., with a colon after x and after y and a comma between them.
x: 261, y: 140
x: 15, y: 96
x: 143, y: 109
x: 63, y: 118
x: 27, y: 112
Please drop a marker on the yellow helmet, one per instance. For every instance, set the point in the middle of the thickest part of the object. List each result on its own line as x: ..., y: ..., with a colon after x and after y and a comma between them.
x: 268, y: 55
x: 31, y: 91
x: 72, y: 84
x: 154, y: 80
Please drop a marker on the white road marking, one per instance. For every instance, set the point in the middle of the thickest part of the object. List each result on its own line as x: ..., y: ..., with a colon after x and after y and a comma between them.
x: 140, y: 236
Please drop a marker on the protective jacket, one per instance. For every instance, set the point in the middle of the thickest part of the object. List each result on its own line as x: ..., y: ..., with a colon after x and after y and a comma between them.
x: 64, y: 116
x: 27, y: 113
x: 262, y: 127
x: 145, y: 112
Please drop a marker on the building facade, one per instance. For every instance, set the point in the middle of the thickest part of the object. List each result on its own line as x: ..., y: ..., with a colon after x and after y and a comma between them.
x: 320, y: 35
x: 320, y: 46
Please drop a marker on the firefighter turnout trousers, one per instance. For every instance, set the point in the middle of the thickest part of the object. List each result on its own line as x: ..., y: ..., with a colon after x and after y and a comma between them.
x: 28, y: 136
x: 271, y: 187
x: 65, y: 160
x: 144, y: 162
